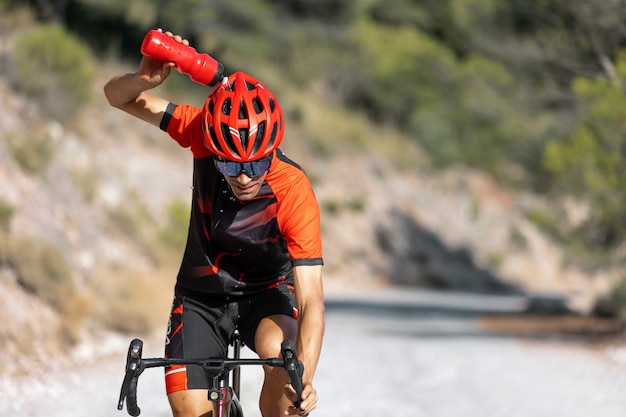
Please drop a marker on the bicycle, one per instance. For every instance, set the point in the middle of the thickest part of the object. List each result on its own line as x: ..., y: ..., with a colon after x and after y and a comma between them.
x: 225, y: 392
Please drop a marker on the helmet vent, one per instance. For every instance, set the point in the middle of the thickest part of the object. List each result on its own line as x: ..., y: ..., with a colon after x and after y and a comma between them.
x: 243, y: 112
x: 270, y: 144
x: 227, y: 106
x: 258, y: 107
x: 216, y: 142
x: 229, y: 139
x: 243, y: 136
x: 242, y: 121
x: 259, y: 137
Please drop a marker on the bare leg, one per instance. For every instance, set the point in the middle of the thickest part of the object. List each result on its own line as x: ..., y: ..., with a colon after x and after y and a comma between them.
x: 190, y: 403
x: 269, y: 336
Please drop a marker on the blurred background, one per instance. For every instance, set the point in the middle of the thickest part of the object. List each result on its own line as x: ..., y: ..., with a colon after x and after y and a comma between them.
x: 473, y: 146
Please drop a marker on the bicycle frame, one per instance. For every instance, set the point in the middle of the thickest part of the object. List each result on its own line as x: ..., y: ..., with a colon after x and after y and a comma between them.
x: 222, y: 394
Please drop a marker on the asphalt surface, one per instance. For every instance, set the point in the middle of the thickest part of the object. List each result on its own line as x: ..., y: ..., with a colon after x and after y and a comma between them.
x: 403, y: 354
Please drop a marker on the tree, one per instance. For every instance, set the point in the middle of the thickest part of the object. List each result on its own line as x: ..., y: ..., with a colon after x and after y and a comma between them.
x: 592, y: 164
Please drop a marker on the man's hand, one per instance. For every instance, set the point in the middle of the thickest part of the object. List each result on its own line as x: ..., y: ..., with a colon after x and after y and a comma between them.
x: 308, y: 400
x: 128, y: 92
x: 153, y: 71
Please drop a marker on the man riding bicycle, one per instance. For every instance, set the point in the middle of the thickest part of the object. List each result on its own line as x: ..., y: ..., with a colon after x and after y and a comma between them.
x: 253, y: 259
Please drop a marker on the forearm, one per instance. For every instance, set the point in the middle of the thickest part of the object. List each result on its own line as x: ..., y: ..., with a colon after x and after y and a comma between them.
x: 129, y: 93
x: 311, y: 321
x: 125, y: 89
x: 311, y: 330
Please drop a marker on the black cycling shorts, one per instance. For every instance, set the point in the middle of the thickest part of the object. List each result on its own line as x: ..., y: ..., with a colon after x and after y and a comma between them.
x: 203, y: 328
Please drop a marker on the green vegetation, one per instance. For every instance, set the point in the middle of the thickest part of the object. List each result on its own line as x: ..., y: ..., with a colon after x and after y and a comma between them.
x: 592, y: 162
x: 49, y: 63
x: 346, y: 204
x: 135, y: 302
x: 41, y: 269
x: 6, y: 214
x: 530, y: 91
x: 33, y: 153
x: 175, y: 232
x: 614, y: 304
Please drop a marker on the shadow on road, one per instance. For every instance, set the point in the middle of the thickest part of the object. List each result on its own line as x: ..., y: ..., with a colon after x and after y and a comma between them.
x: 434, y: 314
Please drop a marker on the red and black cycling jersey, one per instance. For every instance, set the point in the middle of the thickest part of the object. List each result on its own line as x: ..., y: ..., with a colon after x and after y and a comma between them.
x: 237, y: 248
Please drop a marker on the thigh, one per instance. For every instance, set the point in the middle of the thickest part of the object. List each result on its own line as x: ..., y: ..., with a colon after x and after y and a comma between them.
x: 275, y: 302
x: 271, y: 332
x: 197, y: 329
x: 193, y: 402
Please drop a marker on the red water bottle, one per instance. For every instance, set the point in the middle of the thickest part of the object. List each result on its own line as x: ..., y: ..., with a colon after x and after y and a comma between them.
x: 201, y: 68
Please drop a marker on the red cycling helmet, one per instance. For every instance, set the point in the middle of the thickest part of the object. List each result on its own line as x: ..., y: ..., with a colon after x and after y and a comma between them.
x: 242, y: 120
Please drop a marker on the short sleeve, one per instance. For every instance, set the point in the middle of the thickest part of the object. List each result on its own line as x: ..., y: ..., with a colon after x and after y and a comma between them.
x: 183, y: 124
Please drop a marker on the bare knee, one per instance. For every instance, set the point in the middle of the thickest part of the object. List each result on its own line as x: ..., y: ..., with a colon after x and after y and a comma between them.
x: 190, y: 403
x: 268, y: 339
x: 271, y: 332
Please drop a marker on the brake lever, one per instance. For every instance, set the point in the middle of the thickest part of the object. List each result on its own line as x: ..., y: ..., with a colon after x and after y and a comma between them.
x: 294, y: 368
x: 134, y: 368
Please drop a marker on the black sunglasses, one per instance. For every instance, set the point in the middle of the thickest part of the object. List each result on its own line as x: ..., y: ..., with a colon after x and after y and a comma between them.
x: 251, y: 169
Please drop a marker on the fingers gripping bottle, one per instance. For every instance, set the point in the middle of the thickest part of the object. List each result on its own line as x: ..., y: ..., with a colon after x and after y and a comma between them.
x: 201, y: 68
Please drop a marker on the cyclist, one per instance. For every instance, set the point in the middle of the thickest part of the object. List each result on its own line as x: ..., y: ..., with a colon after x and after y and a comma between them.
x: 253, y: 259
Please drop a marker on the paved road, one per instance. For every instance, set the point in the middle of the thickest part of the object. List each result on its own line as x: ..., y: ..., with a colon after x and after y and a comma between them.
x: 387, y: 354
x: 413, y: 363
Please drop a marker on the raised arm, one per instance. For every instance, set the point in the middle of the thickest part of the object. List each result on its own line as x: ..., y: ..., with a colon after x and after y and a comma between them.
x: 129, y: 92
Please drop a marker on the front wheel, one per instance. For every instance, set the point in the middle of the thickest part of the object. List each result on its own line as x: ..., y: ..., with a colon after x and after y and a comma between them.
x: 235, y: 408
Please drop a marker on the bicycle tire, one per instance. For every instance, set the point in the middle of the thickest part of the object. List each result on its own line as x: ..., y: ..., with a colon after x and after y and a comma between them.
x: 235, y: 408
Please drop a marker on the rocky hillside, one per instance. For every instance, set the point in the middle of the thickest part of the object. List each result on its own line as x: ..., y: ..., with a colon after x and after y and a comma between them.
x: 109, y: 181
